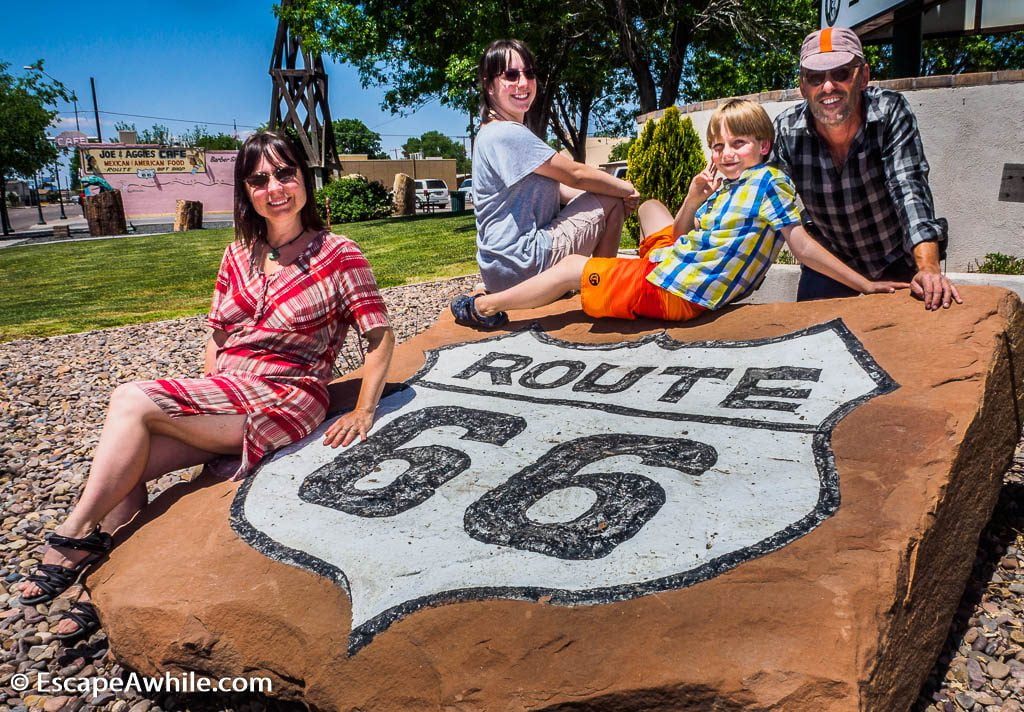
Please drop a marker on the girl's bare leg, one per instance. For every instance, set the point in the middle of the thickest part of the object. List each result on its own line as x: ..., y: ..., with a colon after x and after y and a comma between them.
x: 615, y: 216
x: 538, y: 290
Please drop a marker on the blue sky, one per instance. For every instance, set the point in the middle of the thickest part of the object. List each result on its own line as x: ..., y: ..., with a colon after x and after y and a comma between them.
x: 205, y: 62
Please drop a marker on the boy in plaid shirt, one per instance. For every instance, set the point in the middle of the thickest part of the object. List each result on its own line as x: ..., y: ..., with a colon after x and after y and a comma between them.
x: 727, y: 233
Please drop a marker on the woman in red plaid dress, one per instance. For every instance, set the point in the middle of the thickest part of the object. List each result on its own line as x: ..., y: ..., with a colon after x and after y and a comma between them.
x: 286, y: 294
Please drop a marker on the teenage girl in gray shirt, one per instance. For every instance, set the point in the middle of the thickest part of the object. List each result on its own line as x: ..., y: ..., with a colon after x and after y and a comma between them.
x: 520, y: 183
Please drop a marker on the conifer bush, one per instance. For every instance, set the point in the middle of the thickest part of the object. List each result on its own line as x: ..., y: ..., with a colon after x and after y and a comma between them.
x: 662, y: 160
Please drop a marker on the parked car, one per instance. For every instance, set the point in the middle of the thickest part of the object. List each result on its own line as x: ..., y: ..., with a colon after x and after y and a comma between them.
x: 620, y: 172
x: 431, y: 192
x: 466, y: 188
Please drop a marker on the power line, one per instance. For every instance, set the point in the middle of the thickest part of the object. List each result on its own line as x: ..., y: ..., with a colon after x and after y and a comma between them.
x: 184, y: 121
x: 250, y: 126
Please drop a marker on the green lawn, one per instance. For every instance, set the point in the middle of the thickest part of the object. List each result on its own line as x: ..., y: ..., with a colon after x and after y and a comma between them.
x: 66, y: 287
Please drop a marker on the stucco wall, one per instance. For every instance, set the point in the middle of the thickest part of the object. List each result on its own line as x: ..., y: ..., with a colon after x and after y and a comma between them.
x: 971, y: 124
x: 158, y: 196
x: 384, y: 171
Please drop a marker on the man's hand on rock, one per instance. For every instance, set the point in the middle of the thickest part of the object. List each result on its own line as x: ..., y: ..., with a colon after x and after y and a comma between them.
x: 934, y: 289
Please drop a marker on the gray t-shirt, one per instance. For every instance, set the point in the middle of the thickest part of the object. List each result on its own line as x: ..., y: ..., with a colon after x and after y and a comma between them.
x: 513, y: 204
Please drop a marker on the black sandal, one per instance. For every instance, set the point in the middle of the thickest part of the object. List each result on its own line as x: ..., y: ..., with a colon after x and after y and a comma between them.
x: 54, y: 579
x: 85, y: 616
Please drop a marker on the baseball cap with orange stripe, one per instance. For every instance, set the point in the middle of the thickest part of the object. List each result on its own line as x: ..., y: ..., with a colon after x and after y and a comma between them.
x: 830, y: 48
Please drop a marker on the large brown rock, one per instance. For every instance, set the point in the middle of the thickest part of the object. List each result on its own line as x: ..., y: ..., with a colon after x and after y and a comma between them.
x: 845, y: 611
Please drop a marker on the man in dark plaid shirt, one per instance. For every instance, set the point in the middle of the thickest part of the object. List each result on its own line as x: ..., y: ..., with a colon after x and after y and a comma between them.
x: 855, y: 155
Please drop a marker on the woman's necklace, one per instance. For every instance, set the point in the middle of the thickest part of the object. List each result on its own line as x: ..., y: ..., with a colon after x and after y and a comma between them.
x: 275, y: 252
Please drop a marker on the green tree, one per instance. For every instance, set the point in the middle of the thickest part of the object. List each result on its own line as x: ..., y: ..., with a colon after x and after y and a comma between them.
x: 663, y: 159
x: 435, y: 143
x: 27, y: 108
x: 592, y: 55
x: 352, y: 136
x: 956, y: 55
x: 731, y: 62
x: 157, y: 133
x: 200, y: 137
x: 620, y: 151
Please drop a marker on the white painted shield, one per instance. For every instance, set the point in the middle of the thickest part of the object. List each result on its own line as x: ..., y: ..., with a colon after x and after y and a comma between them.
x: 523, y: 466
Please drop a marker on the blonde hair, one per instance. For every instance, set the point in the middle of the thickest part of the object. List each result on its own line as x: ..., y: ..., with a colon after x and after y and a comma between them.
x: 742, y: 117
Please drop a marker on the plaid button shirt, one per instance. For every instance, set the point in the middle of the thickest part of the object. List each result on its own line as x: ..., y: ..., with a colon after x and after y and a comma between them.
x: 739, y: 236
x: 874, y: 211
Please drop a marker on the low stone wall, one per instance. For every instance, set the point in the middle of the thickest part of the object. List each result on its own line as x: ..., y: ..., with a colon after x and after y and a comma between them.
x: 780, y: 283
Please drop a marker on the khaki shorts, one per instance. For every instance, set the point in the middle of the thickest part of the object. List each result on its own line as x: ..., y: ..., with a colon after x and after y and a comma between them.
x: 578, y: 228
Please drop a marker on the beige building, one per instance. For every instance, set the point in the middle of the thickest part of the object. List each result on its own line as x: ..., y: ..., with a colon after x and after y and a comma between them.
x: 598, y: 148
x: 385, y: 170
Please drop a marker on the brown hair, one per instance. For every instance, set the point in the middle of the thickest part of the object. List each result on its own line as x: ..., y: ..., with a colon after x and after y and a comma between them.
x: 250, y: 226
x: 493, y: 62
x: 742, y: 117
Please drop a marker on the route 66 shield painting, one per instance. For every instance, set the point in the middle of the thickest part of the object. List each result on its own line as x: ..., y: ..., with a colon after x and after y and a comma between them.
x: 526, y: 467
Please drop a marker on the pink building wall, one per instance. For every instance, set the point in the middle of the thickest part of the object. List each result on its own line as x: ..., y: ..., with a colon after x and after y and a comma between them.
x: 158, y: 196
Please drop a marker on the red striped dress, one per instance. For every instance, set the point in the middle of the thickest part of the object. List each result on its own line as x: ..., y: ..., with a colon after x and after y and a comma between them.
x: 284, y: 332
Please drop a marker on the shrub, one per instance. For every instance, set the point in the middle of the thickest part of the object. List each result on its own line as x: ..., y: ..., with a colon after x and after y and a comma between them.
x: 353, y: 199
x: 998, y: 263
x: 785, y: 257
x: 12, y: 199
x: 662, y: 160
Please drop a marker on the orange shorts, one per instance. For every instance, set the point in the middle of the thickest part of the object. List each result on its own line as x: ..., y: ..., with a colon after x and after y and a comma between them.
x: 618, y: 287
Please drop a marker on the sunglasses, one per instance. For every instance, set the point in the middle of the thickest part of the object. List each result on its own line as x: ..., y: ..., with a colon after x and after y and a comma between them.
x: 838, y: 75
x: 283, y: 174
x: 512, y: 75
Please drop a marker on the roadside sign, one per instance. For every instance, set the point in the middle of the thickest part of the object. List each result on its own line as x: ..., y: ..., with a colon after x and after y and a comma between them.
x: 70, y: 139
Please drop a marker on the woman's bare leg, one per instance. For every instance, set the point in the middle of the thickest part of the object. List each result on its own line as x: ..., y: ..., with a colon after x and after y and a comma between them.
x: 538, y: 290
x: 139, y: 442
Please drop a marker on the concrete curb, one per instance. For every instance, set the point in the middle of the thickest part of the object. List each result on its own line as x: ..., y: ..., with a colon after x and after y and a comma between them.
x: 780, y: 283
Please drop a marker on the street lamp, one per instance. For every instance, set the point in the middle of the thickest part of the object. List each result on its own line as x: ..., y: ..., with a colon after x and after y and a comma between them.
x: 39, y: 203
x: 60, y: 195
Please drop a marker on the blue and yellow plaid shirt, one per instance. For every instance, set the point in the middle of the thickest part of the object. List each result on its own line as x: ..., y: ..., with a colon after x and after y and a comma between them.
x: 725, y: 259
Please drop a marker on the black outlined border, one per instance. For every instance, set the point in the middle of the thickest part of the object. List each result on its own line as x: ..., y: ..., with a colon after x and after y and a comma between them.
x: 828, y: 492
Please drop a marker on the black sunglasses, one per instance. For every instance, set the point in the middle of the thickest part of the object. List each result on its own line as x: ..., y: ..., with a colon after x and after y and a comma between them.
x: 512, y: 75
x: 283, y: 174
x: 838, y: 75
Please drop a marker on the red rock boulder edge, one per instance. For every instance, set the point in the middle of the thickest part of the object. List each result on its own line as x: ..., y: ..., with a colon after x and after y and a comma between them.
x: 793, y: 531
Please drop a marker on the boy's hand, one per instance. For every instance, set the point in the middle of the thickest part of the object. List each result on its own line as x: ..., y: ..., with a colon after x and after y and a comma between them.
x: 705, y: 183
x: 885, y: 287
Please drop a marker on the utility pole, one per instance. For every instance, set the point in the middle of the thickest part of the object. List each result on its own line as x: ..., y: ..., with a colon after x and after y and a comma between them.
x: 96, y: 110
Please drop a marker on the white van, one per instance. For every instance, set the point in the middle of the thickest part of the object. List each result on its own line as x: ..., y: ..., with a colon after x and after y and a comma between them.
x: 431, y: 192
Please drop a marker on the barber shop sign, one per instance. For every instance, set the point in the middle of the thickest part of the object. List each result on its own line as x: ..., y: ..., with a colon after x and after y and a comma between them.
x: 526, y: 467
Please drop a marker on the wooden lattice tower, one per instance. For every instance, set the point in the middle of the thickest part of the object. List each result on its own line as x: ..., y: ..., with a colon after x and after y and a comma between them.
x: 299, y: 101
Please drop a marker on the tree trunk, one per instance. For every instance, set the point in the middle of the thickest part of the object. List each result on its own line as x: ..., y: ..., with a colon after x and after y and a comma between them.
x: 405, y: 195
x: 632, y: 50
x: 105, y: 214
x: 5, y: 221
x: 188, y: 215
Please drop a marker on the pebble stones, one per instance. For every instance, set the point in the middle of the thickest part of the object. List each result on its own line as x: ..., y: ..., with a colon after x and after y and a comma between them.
x: 53, y: 393
x: 981, y: 668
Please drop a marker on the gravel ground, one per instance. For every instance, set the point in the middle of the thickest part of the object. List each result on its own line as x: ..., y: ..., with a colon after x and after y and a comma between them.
x: 52, y: 397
